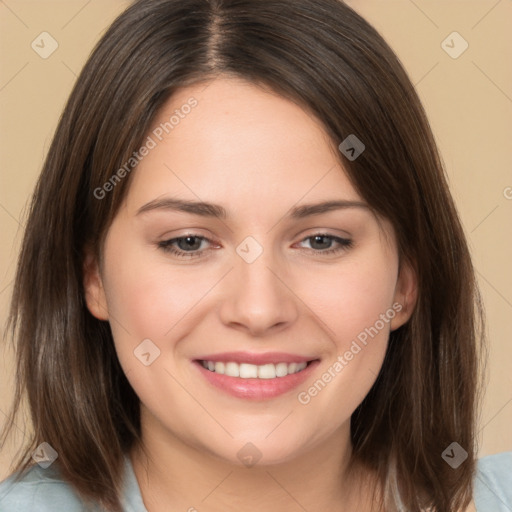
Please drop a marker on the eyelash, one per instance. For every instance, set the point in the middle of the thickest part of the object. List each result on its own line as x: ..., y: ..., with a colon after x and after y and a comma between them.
x: 166, y: 245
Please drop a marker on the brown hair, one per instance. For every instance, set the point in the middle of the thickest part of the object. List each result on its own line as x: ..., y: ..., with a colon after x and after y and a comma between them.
x: 325, y: 57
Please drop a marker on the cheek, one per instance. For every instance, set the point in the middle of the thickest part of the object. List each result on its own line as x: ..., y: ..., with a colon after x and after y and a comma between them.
x: 150, y: 298
x: 148, y: 295
x: 354, y: 303
x: 350, y: 298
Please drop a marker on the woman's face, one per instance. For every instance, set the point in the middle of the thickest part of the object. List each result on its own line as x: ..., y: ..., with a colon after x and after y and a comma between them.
x: 265, y: 279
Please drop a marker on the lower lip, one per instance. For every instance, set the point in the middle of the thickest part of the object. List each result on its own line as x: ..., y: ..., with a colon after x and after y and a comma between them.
x: 256, y: 389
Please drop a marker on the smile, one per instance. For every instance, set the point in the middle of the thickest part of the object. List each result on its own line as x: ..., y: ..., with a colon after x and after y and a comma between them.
x: 250, y: 381
x: 252, y: 371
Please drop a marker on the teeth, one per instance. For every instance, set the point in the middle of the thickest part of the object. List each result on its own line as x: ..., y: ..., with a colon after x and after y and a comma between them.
x: 247, y: 371
x: 230, y: 369
x: 252, y: 371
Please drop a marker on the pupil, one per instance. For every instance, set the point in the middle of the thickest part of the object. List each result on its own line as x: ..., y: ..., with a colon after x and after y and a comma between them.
x: 321, y: 237
x: 189, y: 244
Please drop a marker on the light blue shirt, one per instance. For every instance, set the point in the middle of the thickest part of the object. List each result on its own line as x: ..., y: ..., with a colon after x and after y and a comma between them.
x: 41, y: 490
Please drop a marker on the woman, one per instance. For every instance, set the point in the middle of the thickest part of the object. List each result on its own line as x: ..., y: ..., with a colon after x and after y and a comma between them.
x: 244, y: 284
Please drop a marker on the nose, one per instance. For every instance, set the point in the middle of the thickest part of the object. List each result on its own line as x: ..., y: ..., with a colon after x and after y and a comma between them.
x: 258, y: 299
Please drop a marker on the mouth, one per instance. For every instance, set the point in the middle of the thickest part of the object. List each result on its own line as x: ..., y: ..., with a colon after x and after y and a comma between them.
x: 246, y: 379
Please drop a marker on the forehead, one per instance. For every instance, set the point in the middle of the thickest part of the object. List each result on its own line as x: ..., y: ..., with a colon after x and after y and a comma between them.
x: 235, y: 143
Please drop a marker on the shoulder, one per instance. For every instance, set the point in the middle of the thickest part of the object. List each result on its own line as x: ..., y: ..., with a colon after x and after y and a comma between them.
x: 38, y: 489
x: 493, y: 483
x: 43, y: 490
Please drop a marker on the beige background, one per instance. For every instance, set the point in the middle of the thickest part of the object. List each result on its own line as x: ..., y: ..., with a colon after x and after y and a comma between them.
x: 468, y: 100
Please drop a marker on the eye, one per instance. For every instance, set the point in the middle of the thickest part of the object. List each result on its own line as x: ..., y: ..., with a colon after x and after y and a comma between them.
x: 188, y: 246
x: 322, y: 243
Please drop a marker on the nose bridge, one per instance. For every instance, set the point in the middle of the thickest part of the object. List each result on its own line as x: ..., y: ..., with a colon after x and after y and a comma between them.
x: 259, y: 275
x: 256, y: 268
x: 257, y: 298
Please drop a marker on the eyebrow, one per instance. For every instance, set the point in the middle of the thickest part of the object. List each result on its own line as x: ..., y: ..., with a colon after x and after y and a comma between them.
x: 214, y: 210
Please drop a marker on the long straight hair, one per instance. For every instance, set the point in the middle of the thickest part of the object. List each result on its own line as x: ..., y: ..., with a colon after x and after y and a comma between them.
x: 329, y: 60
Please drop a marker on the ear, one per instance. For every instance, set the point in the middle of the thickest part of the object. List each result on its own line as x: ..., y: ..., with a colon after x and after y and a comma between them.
x: 93, y: 286
x: 406, y: 295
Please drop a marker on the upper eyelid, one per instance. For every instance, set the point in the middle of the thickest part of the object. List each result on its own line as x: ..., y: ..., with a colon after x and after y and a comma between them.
x: 325, y: 232
x: 306, y: 233
x: 208, y: 239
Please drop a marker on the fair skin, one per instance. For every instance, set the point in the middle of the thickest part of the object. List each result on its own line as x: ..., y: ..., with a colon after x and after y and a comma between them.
x: 258, y: 155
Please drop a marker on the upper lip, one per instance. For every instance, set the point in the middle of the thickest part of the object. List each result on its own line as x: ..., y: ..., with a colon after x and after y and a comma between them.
x: 256, y: 359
